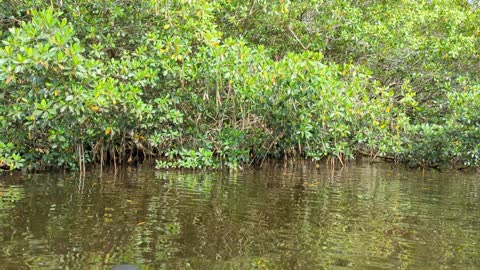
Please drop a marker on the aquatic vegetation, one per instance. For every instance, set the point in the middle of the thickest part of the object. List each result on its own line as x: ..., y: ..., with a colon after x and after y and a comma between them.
x: 215, y: 84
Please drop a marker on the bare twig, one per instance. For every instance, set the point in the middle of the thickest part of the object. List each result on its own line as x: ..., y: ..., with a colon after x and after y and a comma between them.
x: 297, y: 39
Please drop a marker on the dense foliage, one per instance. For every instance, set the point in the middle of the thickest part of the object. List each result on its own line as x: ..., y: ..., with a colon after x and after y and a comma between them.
x: 229, y: 83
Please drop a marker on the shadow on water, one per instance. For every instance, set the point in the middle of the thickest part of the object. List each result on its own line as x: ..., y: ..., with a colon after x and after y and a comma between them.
x: 294, y: 217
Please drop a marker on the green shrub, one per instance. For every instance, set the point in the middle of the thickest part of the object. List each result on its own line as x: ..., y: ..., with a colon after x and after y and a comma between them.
x: 230, y: 83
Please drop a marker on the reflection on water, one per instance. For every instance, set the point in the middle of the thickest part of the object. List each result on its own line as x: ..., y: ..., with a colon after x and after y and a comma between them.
x: 361, y: 217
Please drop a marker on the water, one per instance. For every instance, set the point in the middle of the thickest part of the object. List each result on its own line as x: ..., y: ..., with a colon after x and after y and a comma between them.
x: 302, y: 217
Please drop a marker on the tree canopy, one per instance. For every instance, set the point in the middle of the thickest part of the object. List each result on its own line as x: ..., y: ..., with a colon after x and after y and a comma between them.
x: 230, y: 83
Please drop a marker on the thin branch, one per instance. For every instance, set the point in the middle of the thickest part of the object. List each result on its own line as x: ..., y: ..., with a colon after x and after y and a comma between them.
x: 299, y: 41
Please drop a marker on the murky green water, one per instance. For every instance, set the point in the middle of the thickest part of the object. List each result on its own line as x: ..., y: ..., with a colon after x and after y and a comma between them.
x: 361, y: 217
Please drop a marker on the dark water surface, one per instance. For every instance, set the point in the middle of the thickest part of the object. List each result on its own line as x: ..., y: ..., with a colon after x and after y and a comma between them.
x: 361, y: 217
